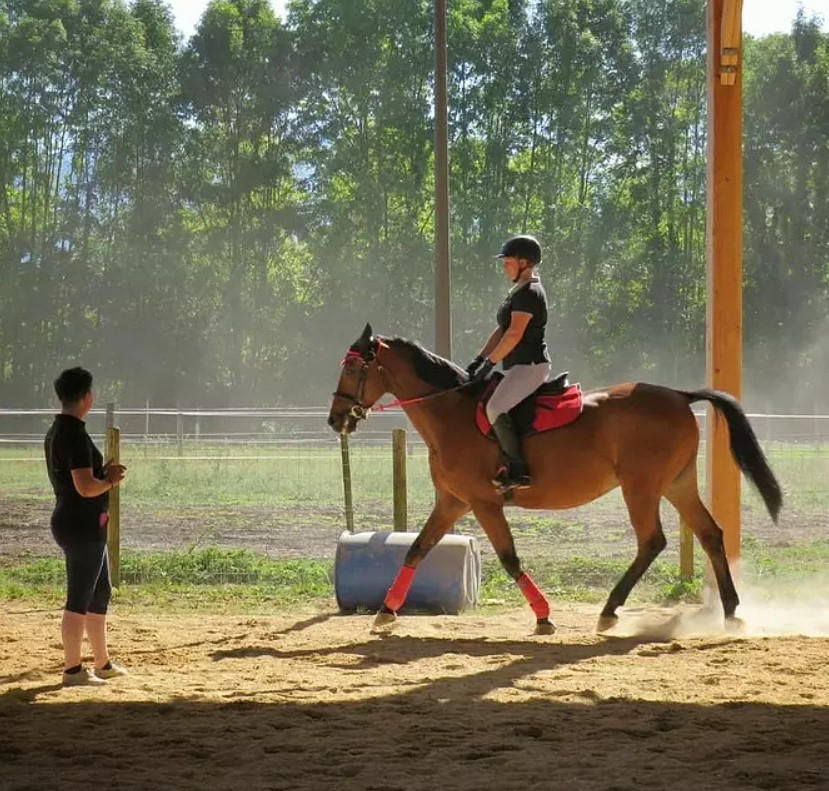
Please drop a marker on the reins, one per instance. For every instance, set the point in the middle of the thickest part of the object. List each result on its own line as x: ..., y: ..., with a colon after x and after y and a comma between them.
x: 406, y: 401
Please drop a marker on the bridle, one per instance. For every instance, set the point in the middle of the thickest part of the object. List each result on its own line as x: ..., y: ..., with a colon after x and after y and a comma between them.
x: 358, y: 410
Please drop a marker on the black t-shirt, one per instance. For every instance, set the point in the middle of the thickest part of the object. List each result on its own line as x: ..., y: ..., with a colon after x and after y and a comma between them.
x: 532, y: 348
x: 68, y: 447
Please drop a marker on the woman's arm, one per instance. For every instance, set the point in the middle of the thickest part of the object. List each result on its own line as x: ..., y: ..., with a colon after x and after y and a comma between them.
x: 87, y: 485
x: 510, y: 339
x: 491, y: 342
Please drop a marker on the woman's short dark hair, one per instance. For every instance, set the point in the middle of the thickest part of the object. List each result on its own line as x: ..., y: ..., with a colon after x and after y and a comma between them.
x: 72, y: 385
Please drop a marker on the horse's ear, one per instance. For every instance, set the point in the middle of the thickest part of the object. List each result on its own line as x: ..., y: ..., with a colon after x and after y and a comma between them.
x: 364, y: 343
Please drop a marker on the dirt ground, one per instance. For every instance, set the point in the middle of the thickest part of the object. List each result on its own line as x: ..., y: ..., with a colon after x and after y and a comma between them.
x: 314, y: 701
x: 309, y: 531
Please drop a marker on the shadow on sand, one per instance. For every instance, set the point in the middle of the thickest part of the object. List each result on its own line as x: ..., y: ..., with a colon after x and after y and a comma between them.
x: 443, y: 732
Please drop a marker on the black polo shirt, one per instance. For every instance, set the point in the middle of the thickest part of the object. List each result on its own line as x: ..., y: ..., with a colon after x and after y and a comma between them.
x: 68, y: 447
x: 531, y: 298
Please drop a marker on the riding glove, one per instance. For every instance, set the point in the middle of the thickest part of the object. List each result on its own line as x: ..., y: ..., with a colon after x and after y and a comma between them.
x: 474, y: 365
x: 482, y: 371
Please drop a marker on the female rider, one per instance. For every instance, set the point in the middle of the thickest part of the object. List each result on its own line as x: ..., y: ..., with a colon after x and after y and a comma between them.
x: 518, y: 343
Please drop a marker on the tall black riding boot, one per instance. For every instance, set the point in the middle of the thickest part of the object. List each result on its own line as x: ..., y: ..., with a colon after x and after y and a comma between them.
x: 513, y: 472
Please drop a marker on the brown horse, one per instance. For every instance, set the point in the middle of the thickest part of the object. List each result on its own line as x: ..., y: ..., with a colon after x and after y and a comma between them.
x: 641, y: 437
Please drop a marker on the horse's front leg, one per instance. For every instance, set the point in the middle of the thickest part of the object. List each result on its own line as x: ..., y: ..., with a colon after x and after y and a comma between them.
x: 446, y: 512
x: 491, y: 518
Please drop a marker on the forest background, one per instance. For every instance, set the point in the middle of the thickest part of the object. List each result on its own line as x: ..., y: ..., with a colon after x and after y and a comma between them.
x: 212, y: 221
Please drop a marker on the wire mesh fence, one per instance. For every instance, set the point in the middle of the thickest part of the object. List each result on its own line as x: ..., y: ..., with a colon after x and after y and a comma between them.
x: 270, y: 482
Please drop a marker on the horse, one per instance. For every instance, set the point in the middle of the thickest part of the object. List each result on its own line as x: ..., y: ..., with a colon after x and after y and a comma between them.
x: 641, y: 437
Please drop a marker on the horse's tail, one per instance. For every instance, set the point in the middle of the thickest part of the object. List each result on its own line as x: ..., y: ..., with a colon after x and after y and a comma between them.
x: 744, y: 446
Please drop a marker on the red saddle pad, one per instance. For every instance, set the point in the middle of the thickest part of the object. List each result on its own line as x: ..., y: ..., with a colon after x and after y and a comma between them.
x: 549, y: 411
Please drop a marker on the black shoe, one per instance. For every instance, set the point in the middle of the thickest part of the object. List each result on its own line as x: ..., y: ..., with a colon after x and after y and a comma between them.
x: 504, y: 480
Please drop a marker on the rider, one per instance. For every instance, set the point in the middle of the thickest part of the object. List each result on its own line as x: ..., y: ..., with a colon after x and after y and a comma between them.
x: 518, y: 343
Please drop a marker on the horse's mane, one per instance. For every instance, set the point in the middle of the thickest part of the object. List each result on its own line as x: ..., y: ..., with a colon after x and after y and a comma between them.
x: 430, y: 367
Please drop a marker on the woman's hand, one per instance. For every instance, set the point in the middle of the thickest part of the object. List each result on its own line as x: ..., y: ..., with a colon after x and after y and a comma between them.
x: 114, y: 473
x: 482, y: 371
x: 474, y: 365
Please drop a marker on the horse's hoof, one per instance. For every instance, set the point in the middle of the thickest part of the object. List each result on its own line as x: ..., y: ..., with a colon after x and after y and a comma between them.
x: 545, y: 626
x: 734, y: 625
x: 383, y: 622
x: 606, y: 622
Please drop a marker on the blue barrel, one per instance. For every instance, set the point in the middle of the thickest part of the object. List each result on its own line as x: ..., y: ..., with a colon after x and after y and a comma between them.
x: 448, y: 580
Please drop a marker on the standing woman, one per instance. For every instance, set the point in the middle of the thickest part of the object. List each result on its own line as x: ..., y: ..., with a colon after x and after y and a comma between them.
x: 81, y: 483
x: 518, y: 343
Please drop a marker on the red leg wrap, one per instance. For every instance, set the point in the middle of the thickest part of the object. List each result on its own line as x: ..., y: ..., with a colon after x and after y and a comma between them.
x: 534, y: 596
x: 400, y: 588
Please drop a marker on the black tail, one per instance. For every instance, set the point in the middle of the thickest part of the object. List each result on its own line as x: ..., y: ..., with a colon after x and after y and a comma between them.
x: 744, y: 446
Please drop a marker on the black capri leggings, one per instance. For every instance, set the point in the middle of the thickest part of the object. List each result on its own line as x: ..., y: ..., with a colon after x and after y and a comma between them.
x: 88, y: 587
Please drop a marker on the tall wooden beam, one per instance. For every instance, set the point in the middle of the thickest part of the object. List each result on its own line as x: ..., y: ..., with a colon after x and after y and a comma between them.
x: 724, y: 255
x: 443, y: 277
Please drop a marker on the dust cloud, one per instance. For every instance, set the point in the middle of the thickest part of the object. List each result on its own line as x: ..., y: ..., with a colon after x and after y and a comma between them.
x: 766, y: 610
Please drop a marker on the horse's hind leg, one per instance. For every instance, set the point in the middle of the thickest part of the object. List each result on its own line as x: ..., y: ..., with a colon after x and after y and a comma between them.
x: 643, y: 508
x: 684, y: 496
x: 491, y: 518
x: 446, y: 512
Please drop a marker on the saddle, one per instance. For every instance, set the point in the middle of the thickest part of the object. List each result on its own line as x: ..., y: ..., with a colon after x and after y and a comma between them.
x: 554, y: 404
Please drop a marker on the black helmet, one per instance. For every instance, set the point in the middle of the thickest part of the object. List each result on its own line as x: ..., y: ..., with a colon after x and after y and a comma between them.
x: 523, y: 246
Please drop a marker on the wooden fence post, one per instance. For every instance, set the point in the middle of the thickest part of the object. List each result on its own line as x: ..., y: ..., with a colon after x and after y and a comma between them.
x: 399, y: 483
x: 112, y: 454
x: 346, y: 464
x: 686, y: 552
x: 180, y: 432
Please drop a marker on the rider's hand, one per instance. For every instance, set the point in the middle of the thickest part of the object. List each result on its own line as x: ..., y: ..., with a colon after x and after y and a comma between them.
x: 474, y: 365
x: 483, y: 370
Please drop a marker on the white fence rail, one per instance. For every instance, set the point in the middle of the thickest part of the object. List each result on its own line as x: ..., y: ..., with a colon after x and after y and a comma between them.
x: 271, y: 480
x: 299, y: 425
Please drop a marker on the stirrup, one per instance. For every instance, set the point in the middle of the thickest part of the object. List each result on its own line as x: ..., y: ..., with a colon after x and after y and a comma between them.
x: 504, y: 481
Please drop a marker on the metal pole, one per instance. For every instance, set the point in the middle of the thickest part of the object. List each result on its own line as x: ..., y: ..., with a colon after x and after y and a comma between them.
x: 443, y: 322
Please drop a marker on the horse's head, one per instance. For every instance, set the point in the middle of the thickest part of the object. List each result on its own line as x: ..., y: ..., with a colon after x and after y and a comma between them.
x: 360, y: 385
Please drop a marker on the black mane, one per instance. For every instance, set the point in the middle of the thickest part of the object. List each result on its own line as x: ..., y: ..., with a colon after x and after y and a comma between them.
x: 431, y: 368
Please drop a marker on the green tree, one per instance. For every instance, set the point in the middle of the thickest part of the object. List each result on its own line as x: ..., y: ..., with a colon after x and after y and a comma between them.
x: 239, y: 87
x: 786, y: 211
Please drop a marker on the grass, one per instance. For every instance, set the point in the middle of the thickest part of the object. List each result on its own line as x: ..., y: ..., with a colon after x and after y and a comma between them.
x: 268, y: 475
x: 242, y: 581
x: 209, y: 477
x: 246, y: 474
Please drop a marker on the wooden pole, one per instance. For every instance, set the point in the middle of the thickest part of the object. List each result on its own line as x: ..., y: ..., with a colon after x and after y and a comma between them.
x: 180, y: 432
x: 724, y: 256
x: 346, y: 464
x: 443, y: 320
x: 399, y: 485
x: 686, y: 552
x: 112, y: 454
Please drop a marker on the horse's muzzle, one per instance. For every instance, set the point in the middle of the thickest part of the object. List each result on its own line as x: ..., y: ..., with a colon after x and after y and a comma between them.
x: 342, y: 423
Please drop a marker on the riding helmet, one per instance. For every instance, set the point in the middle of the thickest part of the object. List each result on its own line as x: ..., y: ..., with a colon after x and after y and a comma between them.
x: 522, y: 246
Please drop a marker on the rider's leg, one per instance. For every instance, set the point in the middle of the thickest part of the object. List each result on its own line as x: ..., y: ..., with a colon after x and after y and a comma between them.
x: 513, y: 473
x: 518, y: 382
